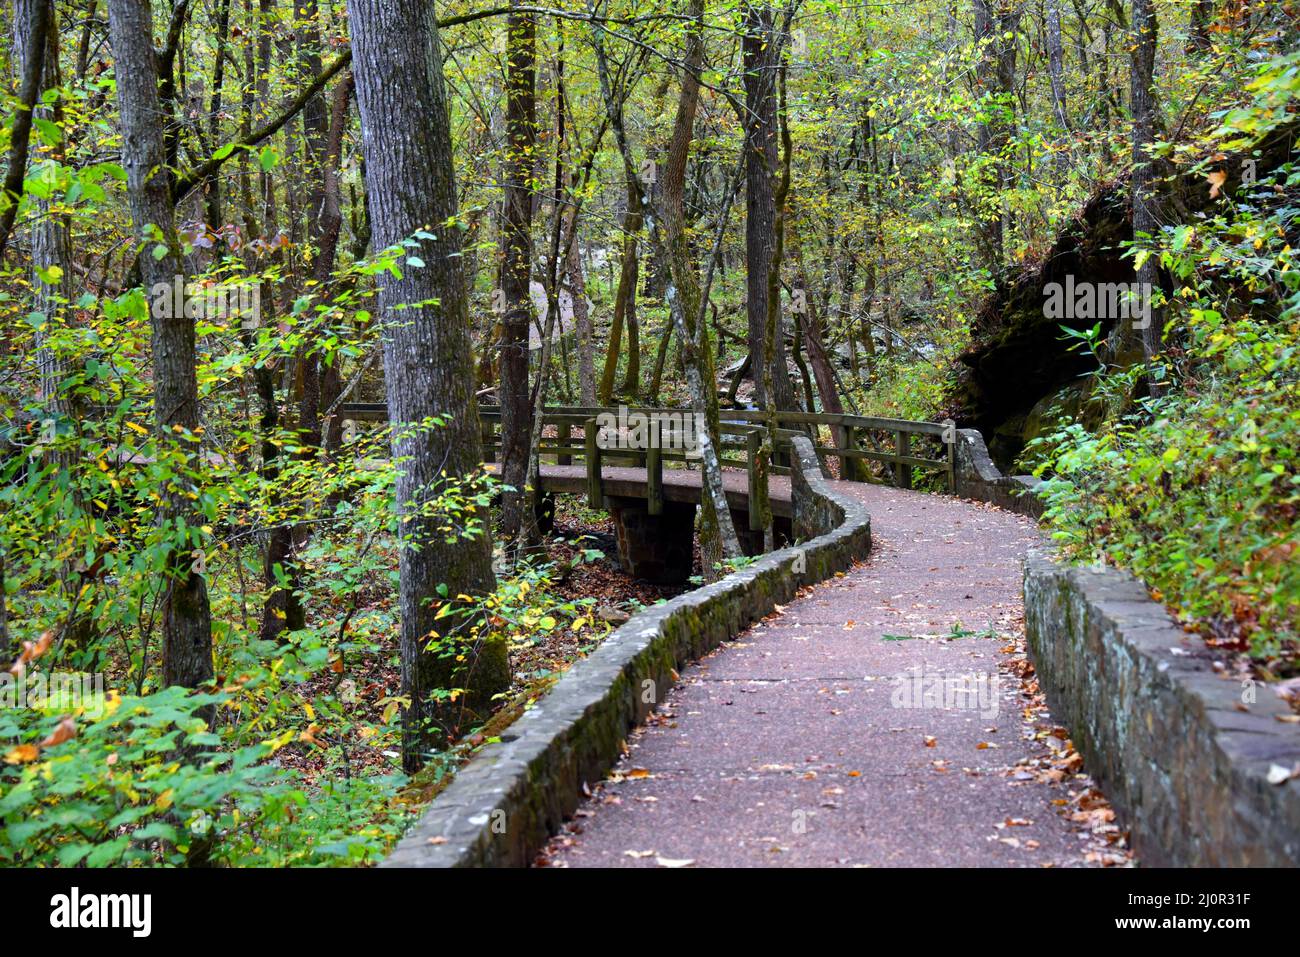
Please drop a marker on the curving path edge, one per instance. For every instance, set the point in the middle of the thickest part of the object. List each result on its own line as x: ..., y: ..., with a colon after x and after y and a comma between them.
x: 809, y: 740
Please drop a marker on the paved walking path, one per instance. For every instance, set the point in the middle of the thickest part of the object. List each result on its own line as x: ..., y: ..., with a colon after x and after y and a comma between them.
x: 788, y: 746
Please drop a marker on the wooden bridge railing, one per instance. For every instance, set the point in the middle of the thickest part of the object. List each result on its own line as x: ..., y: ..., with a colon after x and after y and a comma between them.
x: 895, y: 445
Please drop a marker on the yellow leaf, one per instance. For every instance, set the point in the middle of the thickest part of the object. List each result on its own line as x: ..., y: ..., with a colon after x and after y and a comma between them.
x: 164, y: 800
x: 23, y: 754
x: 137, y: 427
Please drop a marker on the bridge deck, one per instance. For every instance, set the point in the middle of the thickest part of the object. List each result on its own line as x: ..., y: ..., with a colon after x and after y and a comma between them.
x: 680, y: 485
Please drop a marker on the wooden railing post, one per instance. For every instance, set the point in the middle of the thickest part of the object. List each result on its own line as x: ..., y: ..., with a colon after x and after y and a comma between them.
x: 485, y: 437
x: 848, y: 466
x: 654, y: 470
x: 589, y: 434
x: 756, y: 465
x: 902, y: 471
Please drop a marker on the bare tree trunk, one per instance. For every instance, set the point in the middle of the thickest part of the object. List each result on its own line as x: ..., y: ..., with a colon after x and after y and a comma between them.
x: 1202, y: 18
x: 211, y: 187
x: 283, y: 609
x: 1146, y: 223
x: 83, y: 47
x: 331, y: 381
x: 822, y: 371
x: 307, y: 28
x: 996, y: 25
x: 761, y: 49
x: 624, y: 303
x: 428, y: 366
x: 717, y: 533
x: 1056, y: 69
x: 516, y: 268
x: 633, y: 221
x: 632, y: 371
x: 39, y: 16
x: 581, y: 315
x: 186, y: 617
x: 51, y: 242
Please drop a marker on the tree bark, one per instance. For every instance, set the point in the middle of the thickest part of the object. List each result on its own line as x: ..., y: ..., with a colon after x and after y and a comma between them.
x: 428, y: 366
x: 516, y: 269
x: 633, y: 221
x: 1146, y: 223
x: 761, y: 50
x: 717, y: 532
x: 996, y: 24
x: 581, y: 314
x: 1056, y: 70
x: 1199, y: 38
x: 39, y: 17
x: 822, y: 370
x: 186, y: 616
x: 51, y: 241
x: 624, y: 304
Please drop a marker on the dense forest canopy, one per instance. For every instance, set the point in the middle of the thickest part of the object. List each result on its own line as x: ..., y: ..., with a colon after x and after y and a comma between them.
x: 225, y: 222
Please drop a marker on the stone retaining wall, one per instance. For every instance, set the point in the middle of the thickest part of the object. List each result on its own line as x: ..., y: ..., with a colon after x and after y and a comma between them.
x: 978, y: 478
x: 1183, y: 753
x: 503, y: 806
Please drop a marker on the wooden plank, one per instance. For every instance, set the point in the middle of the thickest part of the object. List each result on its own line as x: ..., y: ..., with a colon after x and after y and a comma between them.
x: 886, y: 457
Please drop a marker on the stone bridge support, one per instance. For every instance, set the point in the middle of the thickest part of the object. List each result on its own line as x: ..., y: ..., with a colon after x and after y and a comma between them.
x: 657, y: 548
x: 661, y: 548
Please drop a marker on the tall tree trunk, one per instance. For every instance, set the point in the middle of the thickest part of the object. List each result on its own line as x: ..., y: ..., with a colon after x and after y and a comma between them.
x: 186, y: 617
x: 1056, y: 70
x: 1146, y: 223
x: 83, y: 47
x: 1202, y: 18
x: 307, y: 28
x: 633, y: 221
x: 212, y: 186
x: 624, y: 304
x: 822, y: 370
x: 428, y: 366
x: 516, y: 267
x: 283, y: 609
x: 632, y: 370
x: 331, y: 380
x: 51, y: 242
x: 717, y: 532
x: 761, y: 52
x: 39, y: 18
x: 581, y: 314
x: 996, y: 25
